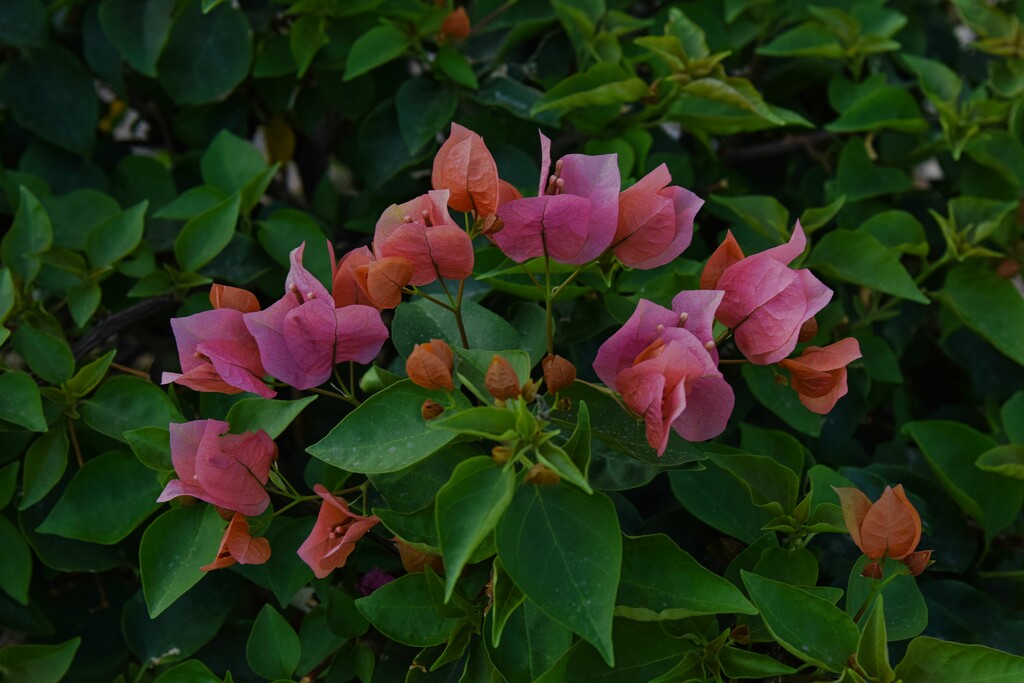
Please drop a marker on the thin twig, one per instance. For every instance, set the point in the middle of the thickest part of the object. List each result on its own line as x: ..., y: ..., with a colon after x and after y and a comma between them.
x: 116, y: 322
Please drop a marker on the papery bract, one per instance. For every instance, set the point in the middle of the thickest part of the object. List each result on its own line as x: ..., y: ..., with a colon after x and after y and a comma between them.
x: 362, y: 278
x: 766, y: 302
x: 456, y: 25
x: 430, y: 365
x: 464, y: 166
x: 303, y: 335
x: 218, y: 353
x: 334, y: 535
x: 727, y: 253
x: 655, y: 222
x: 226, y: 470
x: 501, y: 380
x: 574, y: 216
x: 558, y: 373
x: 422, y: 232
x: 238, y: 545
x: 888, y: 527
x: 819, y: 374
x: 223, y: 296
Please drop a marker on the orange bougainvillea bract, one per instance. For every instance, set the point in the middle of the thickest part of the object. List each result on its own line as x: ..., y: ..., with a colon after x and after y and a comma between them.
x: 889, y: 527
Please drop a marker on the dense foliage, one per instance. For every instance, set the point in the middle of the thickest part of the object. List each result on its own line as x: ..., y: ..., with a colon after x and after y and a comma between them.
x: 305, y: 377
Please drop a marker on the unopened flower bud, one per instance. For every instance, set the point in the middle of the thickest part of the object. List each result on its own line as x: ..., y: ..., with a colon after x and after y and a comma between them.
x: 541, y: 476
x: 430, y: 365
x: 563, y: 404
x: 431, y: 409
x: 918, y: 561
x: 558, y: 373
x: 781, y: 381
x: 808, y: 330
x: 741, y: 634
x: 501, y: 454
x: 501, y: 380
x: 872, y: 571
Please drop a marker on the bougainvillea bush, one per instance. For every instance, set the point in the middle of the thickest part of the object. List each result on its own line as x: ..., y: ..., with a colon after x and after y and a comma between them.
x: 549, y: 340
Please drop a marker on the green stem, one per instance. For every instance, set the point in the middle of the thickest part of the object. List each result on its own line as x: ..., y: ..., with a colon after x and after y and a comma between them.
x: 875, y: 590
x: 334, y: 394
x: 418, y: 292
x: 558, y: 288
x: 548, y: 298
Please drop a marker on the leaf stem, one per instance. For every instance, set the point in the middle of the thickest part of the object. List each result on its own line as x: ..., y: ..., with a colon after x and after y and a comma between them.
x: 548, y: 298
x: 74, y: 442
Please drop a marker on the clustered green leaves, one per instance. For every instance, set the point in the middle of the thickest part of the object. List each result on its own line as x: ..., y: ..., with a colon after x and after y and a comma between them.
x: 149, y: 148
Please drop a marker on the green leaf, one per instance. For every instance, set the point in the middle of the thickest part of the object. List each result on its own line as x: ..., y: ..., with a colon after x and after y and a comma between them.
x: 563, y: 549
x: 468, y: 508
x: 206, y: 55
x: 152, y: 446
x: 415, y: 487
x: 175, y: 545
x: 930, y: 660
x: 1005, y: 460
x: 937, y: 81
x: 806, y: 40
x: 782, y: 401
x: 661, y: 582
x: 733, y: 92
x: 808, y: 627
x: 496, y: 424
x: 15, y: 564
x: 89, y: 376
x: 273, y: 648
x: 124, y: 403
x: 207, y: 234
x: 138, y: 29
x: 454, y: 64
x: 857, y: 257
x: 424, y: 107
x: 8, y: 294
x: 387, y: 432
x: 907, y: 615
x: 558, y: 461
x: 737, y: 663
x: 192, y: 671
x: 888, y: 107
x: 192, y: 202
x: 772, y: 484
x: 8, y: 482
x: 273, y: 417
x: 533, y: 644
x: 306, y: 37
x: 37, y: 663
x: 29, y: 236
x: 860, y: 178
x: 952, y: 450
x: 1012, y: 414
x: 818, y: 217
x: 105, y: 500
x: 20, y: 402
x: 111, y: 241
x: 376, y: 47
x: 64, y: 112
x: 989, y: 305
x: 23, y: 23
x: 897, y: 231
x: 83, y: 300
x: 643, y: 652
x: 604, y: 83
x: 48, y: 355
x: 231, y: 163
x: 404, y: 610
x: 286, y: 229
x: 765, y: 215
x: 420, y: 321
x: 45, y: 462
x: 873, y: 648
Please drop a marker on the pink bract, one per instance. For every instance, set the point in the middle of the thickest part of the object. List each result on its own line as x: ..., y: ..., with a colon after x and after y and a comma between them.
x: 819, y: 373
x: 226, y: 470
x: 217, y: 353
x: 302, y: 336
x: 766, y: 302
x: 655, y: 222
x: 574, y: 216
x: 334, y: 535
x: 422, y: 232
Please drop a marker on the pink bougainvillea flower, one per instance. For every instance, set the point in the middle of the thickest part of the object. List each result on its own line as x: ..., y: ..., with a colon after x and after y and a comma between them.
x: 574, y: 216
x: 303, y: 335
x: 464, y: 166
x: 889, y: 527
x: 362, y: 278
x: 819, y: 374
x: 239, y: 546
x: 242, y: 300
x: 217, y: 353
x: 691, y: 310
x: 226, y: 470
x: 372, y: 580
x: 655, y: 221
x: 766, y: 302
x: 334, y: 535
x: 422, y: 232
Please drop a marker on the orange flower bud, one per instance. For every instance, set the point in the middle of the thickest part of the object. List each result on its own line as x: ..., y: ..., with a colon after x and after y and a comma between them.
x: 871, y: 570
x: 558, y: 373
x: 918, y: 561
x: 728, y: 253
x: 808, y: 330
x: 501, y: 454
x: 888, y: 527
x: 430, y: 365
x: 501, y: 380
x: 456, y: 24
x: 541, y: 476
x: 431, y: 409
x: 222, y: 296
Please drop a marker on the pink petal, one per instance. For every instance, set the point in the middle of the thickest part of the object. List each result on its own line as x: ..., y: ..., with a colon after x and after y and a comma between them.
x: 822, y: 405
x: 267, y: 327
x: 785, y: 253
x: 238, y: 362
x: 345, y: 287
x: 360, y: 334
x: 545, y: 162
x: 710, y: 401
x: 751, y: 283
x: 700, y: 306
x: 225, y: 479
x: 444, y: 251
x: 254, y: 450
x: 770, y: 332
x: 655, y: 222
x: 597, y: 179
x: 559, y: 222
x: 833, y: 356
x: 176, y: 488
x: 185, y: 438
x: 309, y: 337
x: 303, y: 281
x: 619, y: 351
x: 221, y: 323
x: 202, y: 378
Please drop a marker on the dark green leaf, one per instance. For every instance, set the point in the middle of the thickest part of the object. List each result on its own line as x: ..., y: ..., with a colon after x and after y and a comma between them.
x: 989, y: 305
x: 37, y: 663
x: 175, y: 545
x: 20, y: 402
x: 929, y: 660
x: 857, y: 257
x: 138, y: 29
x: 124, y: 403
x: 273, y: 417
x: 424, y: 108
x: 23, y: 23
x: 15, y: 563
x: 273, y: 648
x: 376, y: 47
x: 206, y: 235
x: 29, y: 236
x: 45, y: 462
x: 404, y: 610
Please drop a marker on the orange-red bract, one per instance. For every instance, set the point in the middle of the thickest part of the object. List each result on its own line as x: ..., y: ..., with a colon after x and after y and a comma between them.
x: 501, y: 379
x: 239, y: 546
x: 464, y: 166
x: 223, y: 296
x: 558, y: 373
x: 728, y: 253
x: 456, y: 24
x: 430, y: 365
x: 888, y: 527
